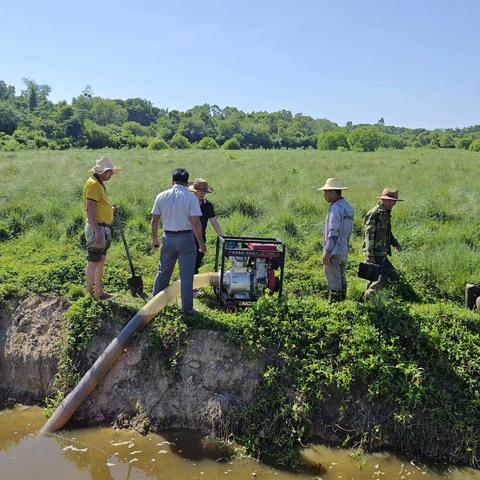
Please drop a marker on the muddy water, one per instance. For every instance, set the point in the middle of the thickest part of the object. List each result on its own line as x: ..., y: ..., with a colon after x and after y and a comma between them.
x: 106, y: 454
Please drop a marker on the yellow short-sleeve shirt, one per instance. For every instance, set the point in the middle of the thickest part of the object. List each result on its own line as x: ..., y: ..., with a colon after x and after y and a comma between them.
x: 94, y: 190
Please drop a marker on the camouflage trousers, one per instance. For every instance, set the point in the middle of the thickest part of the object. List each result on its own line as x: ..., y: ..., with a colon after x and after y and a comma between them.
x: 336, y: 279
x: 388, y: 276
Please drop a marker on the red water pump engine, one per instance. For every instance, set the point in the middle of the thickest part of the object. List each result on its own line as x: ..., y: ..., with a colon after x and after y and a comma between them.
x: 253, y: 267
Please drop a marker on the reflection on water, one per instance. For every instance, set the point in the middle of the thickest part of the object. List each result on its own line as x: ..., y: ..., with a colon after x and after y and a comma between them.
x: 107, y: 454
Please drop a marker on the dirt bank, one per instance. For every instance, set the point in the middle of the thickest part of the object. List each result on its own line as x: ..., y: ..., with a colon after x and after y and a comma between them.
x: 212, y: 376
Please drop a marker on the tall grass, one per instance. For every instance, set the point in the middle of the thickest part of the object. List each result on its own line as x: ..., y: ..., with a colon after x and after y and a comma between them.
x: 265, y: 193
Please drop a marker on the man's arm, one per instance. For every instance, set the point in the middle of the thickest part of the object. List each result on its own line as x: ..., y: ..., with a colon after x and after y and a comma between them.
x: 333, y: 231
x: 394, y: 242
x: 216, y: 226
x: 154, y: 224
x: 370, y: 230
x: 197, y: 231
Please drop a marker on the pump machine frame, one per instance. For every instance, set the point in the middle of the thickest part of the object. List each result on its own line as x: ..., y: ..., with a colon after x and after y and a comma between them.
x: 254, y: 256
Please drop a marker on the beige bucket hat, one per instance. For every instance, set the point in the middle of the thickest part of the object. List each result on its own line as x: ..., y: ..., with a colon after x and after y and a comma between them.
x: 102, y: 165
x: 390, y: 194
x: 333, y: 184
x: 200, y: 185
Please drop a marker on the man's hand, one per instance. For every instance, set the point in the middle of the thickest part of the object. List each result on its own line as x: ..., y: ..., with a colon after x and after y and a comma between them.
x: 326, y: 258
x: 154, y: 225
x: 202, y: 248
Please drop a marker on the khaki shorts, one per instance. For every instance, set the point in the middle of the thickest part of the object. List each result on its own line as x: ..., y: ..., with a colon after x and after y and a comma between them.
x: 95, y: 251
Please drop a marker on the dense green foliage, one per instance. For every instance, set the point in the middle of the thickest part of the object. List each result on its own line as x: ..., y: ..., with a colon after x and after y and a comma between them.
x: 380, y: 374
x: 402, y: 372
x: 31, y: 121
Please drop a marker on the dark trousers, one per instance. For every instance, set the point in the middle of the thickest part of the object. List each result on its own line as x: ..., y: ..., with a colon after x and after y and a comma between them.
x: 198, y: 261
x: 181, y: 247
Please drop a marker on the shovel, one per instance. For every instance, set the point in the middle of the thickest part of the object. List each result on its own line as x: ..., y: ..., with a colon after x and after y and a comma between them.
x: 135, y: 282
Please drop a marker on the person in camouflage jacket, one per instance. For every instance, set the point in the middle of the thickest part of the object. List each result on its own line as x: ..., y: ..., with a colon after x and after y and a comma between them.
x: 379, y: 240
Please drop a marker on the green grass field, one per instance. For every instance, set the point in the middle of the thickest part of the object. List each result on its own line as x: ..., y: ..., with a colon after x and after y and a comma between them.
x: 402, y: 372
x: 268, y: 193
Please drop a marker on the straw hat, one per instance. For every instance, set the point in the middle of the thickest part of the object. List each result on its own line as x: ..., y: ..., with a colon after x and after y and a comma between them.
x: 102, y: 165
x: 200, y: 185
x: 333, y: 184
x: 390, y: 194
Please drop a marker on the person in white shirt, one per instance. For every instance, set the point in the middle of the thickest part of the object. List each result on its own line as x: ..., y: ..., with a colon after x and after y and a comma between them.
x: 180, y: 211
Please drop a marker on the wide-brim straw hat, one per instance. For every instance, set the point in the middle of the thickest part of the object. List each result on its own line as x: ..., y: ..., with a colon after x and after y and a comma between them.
x: 333, y: 184
x: 200, y: 185
x: 102, y: 165
x: 390, y: 194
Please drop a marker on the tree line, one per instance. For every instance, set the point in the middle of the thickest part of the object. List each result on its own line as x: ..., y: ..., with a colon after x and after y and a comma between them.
x: 29, y: 120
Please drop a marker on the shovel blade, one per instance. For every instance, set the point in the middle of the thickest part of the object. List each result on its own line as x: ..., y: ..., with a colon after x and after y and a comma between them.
x: 135, y: 283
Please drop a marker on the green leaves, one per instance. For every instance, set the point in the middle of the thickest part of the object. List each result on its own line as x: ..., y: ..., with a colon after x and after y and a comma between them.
x: 381, y: 370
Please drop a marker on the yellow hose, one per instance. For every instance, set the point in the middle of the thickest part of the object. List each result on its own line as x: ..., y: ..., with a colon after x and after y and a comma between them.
x: 116, y: 347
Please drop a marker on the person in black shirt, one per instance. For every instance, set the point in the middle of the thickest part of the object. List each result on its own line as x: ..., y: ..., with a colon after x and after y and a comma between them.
x: 200, y: 188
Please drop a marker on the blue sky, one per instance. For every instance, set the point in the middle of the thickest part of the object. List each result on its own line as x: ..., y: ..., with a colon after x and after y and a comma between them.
x: 415, y: 63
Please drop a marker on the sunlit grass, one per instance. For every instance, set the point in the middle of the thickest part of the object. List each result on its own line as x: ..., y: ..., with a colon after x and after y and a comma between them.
x: 267, y: 193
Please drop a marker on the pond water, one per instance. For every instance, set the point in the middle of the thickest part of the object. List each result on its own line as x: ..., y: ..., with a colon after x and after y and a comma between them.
x: 106, y: 454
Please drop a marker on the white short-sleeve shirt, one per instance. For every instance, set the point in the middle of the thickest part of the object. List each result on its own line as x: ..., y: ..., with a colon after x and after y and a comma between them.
x: 176, y: 205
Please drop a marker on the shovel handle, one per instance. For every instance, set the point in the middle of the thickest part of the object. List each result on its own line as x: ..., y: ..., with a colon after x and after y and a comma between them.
x: 122, y: 234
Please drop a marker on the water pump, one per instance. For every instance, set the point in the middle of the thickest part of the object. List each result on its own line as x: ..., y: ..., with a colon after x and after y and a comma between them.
x: 255, y: 265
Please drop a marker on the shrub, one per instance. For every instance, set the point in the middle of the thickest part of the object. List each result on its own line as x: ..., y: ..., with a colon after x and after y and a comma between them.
x: 332, y: 140
x: 232, y: 144
x: 139, y: 141
x: 9, y: 118
x: 9, y: 144
x: 392, y: 141
x: 180, y: 142
x: 475, y: 146
x: 134, y: 128
x: 98, y: 136
x: 464, y: 142
x: 365, y: 139
x: 30, y: 138
x: 158, y: 144
x: 207, y: 143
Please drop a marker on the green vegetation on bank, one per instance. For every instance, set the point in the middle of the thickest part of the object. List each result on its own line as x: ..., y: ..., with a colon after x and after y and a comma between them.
x: 402, y: 372
x: 377, y: 374
x: 29, y: 120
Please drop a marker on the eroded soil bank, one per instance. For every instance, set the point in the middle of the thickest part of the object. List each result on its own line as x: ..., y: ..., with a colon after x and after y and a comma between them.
x: 212, y: 375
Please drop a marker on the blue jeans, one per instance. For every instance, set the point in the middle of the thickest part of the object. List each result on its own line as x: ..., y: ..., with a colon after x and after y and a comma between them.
x: 179, y: 246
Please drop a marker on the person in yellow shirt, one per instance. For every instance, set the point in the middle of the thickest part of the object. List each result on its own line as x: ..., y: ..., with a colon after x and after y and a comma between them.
x: 98, y: 235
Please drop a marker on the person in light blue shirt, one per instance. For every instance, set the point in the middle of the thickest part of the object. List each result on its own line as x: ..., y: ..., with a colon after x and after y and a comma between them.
x: 336, y: 235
